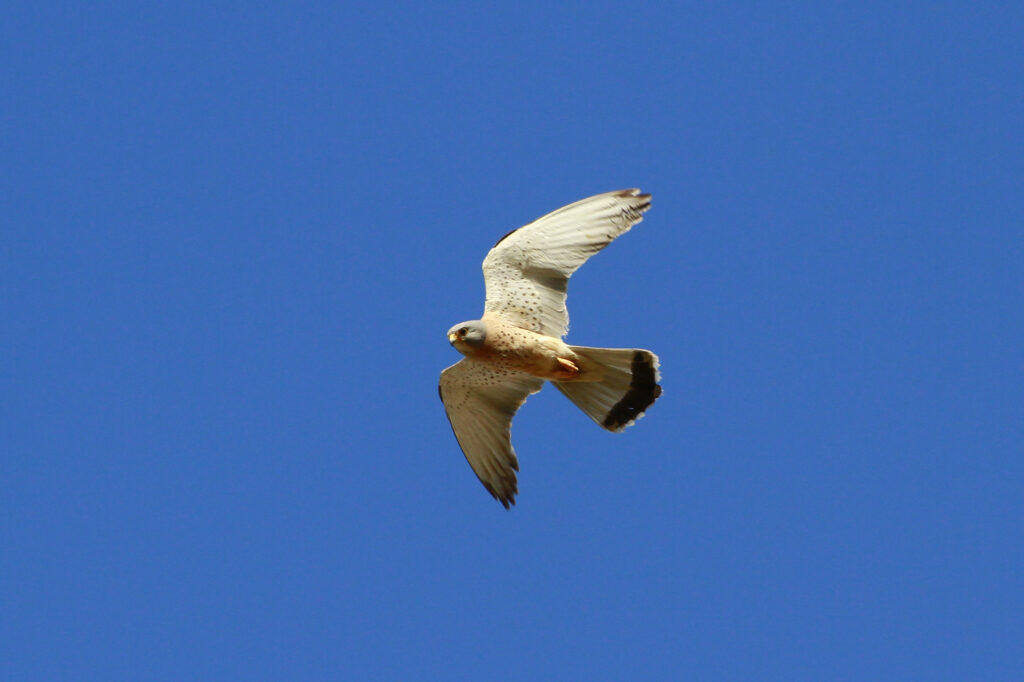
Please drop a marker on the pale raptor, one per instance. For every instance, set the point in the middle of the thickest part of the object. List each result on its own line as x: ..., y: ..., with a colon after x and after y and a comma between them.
x: 517, y: 344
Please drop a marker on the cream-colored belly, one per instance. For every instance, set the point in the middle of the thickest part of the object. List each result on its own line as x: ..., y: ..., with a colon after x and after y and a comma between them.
x: 521, y: 349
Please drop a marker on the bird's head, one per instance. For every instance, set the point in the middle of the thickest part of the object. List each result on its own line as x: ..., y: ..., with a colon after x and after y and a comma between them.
x: 467, y: 336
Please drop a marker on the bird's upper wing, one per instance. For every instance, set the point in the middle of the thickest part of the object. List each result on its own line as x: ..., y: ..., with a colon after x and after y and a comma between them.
x: 527, y: 272
x: 480, y: 401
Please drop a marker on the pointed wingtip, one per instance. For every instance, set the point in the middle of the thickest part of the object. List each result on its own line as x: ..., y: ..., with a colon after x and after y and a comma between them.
x: 639, y: 202
x: 507, y: 499
x: 634, y: 192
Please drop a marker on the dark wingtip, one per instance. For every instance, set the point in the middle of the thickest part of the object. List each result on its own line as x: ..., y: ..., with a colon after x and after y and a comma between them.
x: 636, y: 194
x: 506, y: 499
x: 643, y: 391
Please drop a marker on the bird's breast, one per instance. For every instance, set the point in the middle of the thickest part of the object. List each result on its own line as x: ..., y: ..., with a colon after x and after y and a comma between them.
x: 523, y: 350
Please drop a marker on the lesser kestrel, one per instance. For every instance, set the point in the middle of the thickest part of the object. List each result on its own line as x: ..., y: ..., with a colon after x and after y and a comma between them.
x: 517, y: 344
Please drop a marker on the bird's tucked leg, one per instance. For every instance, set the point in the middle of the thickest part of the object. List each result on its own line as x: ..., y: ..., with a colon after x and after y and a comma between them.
x: 566, y: 369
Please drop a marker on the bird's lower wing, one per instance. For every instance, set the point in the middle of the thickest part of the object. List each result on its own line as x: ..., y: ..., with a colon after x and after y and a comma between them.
x: 480, y: 401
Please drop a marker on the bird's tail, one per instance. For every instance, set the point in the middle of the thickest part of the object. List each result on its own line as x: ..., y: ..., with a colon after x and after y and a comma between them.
x: 615, y: 385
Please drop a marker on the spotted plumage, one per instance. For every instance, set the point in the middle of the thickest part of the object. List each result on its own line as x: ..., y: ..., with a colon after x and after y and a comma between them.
x: 517, y: 344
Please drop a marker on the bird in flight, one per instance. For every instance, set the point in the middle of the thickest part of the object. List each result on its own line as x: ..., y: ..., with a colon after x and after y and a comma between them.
x: 517, y: 345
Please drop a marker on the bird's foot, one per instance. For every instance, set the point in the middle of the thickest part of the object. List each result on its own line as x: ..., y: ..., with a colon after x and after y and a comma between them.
x: 566, y: 369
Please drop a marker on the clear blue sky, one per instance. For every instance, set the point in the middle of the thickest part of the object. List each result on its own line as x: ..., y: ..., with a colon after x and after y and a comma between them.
x: 234, y: 235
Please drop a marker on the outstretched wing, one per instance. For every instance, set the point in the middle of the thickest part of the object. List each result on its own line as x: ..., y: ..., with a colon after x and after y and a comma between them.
x: 527, y: 272
x: 480, y: 401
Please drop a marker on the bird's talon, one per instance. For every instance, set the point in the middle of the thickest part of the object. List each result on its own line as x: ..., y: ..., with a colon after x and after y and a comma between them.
x: 566, y: 369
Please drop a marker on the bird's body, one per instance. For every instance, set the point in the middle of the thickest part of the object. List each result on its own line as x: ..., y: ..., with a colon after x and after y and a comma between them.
x: 510, y: 347
x: 517, y: 344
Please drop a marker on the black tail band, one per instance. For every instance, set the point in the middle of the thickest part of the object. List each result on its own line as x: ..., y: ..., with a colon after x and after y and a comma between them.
x: 643, y: 391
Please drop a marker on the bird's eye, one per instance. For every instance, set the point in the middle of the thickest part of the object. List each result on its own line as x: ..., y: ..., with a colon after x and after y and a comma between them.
x: 462, y: 332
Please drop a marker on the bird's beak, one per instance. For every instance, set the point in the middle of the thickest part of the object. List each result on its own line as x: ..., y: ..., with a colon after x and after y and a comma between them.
x: 451, y: 338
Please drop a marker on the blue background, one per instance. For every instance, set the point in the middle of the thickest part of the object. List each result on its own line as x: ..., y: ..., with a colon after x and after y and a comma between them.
x: 234, y: 235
